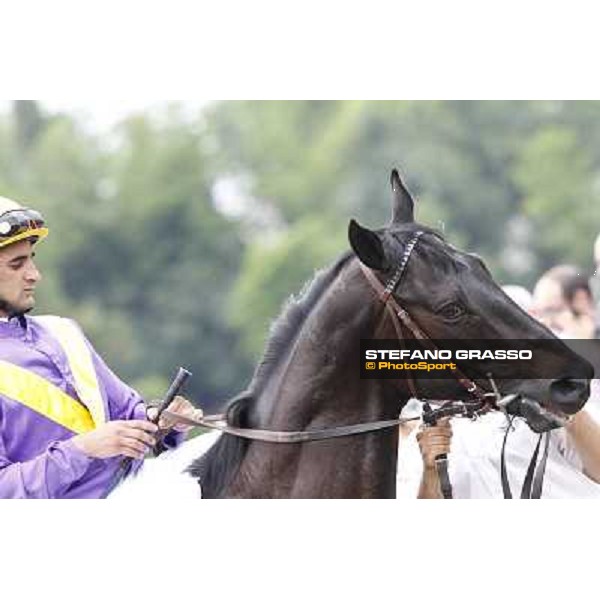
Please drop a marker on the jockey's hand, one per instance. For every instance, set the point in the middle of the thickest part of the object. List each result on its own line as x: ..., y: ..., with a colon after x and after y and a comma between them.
x: 179, y: 406
x: 118, y: 438
x: 434, y: 440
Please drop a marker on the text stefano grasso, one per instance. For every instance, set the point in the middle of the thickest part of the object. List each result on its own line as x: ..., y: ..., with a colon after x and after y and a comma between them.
x: 438, y: 354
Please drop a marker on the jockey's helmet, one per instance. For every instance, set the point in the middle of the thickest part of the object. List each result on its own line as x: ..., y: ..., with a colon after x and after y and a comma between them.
x: 19, y: 223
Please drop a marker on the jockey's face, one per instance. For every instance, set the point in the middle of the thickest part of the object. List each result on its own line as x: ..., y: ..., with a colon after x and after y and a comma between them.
x: 18, y: 278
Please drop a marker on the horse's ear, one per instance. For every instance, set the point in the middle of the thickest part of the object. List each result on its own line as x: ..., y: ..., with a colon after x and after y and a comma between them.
x: 402, y: 202
x: 367, y: 246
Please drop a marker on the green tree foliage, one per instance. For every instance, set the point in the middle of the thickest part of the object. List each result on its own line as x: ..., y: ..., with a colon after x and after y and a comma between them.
x: 159, y: 274
x: 274, y: 270
x: 476, y: 168
x: 556, y: 174
x: 176, y: 258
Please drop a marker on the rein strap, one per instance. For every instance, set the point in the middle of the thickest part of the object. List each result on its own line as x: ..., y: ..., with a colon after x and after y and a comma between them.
x: 219, y: 423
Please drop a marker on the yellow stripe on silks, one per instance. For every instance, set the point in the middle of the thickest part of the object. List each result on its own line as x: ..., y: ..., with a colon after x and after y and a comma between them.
x: 43, y: 397
x: 80, y: 360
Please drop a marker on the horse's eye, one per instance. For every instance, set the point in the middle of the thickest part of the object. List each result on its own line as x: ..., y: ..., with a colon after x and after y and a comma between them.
x: 452, y: 311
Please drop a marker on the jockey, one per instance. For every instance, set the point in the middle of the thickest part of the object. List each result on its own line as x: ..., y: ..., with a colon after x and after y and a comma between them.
x: 66, y: 420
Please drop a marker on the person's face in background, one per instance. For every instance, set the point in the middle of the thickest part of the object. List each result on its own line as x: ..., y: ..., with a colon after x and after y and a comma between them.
x: 569, y: 320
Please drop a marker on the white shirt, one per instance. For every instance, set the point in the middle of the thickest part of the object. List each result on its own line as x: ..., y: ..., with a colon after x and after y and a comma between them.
x: 474, y: 459
x: 474, y: 462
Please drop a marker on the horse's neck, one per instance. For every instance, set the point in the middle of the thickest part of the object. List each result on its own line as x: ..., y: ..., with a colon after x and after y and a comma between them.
x: 317, y: 385
x: 356, y: 466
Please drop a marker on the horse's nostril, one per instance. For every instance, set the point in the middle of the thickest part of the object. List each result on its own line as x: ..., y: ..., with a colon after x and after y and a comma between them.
x: 565, y: 386
x: 569, y: 394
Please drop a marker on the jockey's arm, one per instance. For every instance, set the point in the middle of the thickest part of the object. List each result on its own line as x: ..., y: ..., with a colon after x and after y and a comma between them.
x: 48, y: 475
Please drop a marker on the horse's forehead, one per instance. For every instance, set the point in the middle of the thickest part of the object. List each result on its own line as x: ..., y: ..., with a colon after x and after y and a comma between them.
x: 445, y: 258
x: 460, y: 256
x: 446, y: 249
x: 439, y: 243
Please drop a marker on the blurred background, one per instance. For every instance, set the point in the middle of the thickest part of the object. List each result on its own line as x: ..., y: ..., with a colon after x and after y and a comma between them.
x: 179, y: 230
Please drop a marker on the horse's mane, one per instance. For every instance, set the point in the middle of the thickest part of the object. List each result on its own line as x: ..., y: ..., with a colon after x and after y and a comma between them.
x: 219, y: 465
x: 285, y: 329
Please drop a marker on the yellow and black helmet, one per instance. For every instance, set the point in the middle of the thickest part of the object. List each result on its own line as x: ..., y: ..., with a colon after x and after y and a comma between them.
x: 19, y: 223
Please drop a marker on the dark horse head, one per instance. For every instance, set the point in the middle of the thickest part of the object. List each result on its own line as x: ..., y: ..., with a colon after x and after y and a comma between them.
x: 309, y: 376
